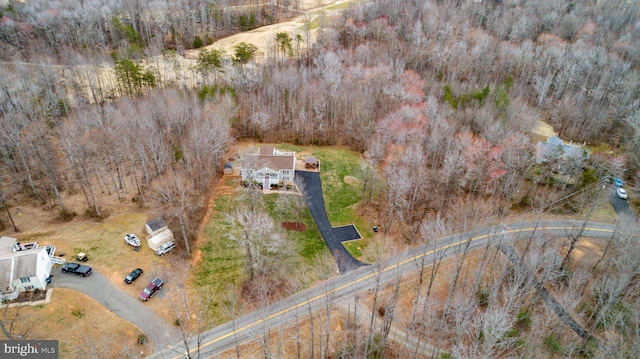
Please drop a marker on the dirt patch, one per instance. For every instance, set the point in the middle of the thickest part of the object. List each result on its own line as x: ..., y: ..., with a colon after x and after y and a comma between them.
x: 294, y: 226
x: 544, y: 129
x: 350, y: 180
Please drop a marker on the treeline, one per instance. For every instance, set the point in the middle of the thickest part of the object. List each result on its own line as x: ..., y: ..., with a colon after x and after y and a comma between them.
x: 161, y: 151
x: 446, y: 94
x: 89, y: 28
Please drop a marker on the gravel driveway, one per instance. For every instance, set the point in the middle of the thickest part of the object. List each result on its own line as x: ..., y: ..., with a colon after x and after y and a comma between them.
x: 115, y: 299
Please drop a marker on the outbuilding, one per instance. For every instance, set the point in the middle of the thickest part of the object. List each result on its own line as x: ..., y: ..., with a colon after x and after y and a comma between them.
x: 160, y: 238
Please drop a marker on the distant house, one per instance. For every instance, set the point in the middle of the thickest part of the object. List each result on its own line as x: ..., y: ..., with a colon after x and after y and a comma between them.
x: 22, y: 267
x: 269, y: 167
x: 555, y: 149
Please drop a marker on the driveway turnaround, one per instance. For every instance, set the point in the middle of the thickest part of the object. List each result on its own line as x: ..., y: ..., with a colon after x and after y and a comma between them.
x: 333, y: 237
x: 159, y: 332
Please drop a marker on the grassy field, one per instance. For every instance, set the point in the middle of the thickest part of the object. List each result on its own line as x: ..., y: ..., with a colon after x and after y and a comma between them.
x: 221, y: 270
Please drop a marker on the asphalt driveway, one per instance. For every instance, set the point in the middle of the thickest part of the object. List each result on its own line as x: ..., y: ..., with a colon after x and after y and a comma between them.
x: 333, y: 237
x: 621, y: 206
x: 98, y: 287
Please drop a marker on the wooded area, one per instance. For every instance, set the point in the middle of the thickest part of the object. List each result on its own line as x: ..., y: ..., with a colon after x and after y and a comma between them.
x: 439, y: 97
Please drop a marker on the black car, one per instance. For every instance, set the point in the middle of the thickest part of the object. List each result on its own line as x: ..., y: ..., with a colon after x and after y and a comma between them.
x: 133, y: 275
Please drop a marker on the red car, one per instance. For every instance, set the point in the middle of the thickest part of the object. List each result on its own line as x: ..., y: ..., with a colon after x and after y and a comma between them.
x: 151, y: 289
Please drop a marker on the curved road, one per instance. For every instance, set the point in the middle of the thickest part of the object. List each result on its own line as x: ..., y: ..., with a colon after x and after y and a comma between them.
x: 225, y: 336
x: 118, y: 301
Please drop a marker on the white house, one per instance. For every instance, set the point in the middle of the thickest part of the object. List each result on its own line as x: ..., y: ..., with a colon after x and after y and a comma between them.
x: 269, y: 167
x: 555, y: 148
x: 22, y: 267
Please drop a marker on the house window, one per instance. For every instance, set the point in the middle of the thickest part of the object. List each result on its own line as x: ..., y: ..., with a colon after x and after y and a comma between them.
x: 29, y: 287
x: 25, y: 280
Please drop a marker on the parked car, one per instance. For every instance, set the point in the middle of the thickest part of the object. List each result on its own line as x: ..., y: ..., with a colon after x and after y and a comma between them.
x: 75, y: 268
x: 133, y: 275
x: 165, y: 248
x: 617, y: 181
x: 151, y: 289
x: 622, y: 194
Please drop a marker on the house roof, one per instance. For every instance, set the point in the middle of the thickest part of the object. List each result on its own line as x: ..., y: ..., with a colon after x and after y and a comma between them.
x: 25, y: 262
x: 156, y: 224
x: 6, y: 246
x: 554, y: 146
x: 278, y: 162
x: 266, y: 150
x: 5, y: 275
x: 269, y: 157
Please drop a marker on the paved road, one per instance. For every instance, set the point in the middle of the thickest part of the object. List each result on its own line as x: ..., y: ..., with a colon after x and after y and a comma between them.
x: 225, y: 336
x: 121, y: 303
x: 333, y: 236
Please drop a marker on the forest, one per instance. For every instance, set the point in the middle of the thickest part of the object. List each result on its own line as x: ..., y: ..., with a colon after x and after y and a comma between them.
x: 440, y: 96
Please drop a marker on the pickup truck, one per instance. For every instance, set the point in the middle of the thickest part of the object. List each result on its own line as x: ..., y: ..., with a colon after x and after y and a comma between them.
x: 151, y: 289
x: 75, y: 268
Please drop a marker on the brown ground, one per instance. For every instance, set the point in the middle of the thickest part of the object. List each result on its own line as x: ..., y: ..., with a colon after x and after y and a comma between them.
x: 80, y: 324
x: 294, y: 226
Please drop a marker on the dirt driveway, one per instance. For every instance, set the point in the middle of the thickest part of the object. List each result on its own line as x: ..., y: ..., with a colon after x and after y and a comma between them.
x: 121, y: 303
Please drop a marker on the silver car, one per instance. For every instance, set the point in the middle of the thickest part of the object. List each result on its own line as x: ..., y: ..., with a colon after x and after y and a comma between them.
x: 167, y: 247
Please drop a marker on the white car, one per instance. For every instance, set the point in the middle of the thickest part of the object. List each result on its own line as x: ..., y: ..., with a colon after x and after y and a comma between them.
x: 165, y: 248
x: 622, y: 194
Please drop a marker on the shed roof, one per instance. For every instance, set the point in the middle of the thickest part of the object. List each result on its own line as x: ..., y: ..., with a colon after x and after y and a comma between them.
x: 156, y: 224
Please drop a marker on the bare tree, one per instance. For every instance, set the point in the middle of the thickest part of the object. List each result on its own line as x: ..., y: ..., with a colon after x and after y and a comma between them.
x: 254, y: 232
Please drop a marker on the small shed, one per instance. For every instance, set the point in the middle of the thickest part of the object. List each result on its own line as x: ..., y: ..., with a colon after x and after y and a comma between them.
x: 228, y: 168
x: 159, y: 239
x: 156, y: 226
x: 311, y: 162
